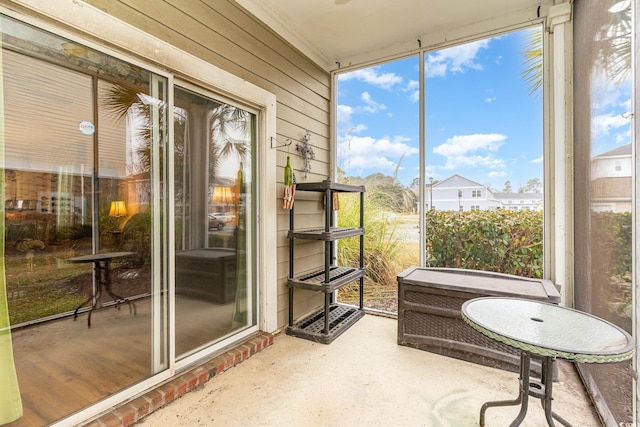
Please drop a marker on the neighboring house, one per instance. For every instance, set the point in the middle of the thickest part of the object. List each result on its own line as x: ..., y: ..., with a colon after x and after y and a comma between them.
x: 521, y: 201
x: 458, y: 193
x: 611, y: 180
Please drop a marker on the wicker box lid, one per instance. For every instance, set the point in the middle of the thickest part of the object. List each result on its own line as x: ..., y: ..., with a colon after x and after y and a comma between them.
x: 481, y: 282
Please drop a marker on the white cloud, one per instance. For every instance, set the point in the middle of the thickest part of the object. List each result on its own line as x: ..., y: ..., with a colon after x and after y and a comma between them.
x: 357, y: 129
x: 462, y: 144
x: 370, y: 105
x: 346, y: 132
x: 624, y: 137
x: 472, y: 151
x: 413, y: 88
x: 607, y: 94
x: 373, y: 77
x: 455, y: 59
x: 487, y: 161
x: 626, y: 104
x: 538, y: 160
x: 606, y: 123
x: 344, y: 113
x: 490, y: 96
x: 367, y: 153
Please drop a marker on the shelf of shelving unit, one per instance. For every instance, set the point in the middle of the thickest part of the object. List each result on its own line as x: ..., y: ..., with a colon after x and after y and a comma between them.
x: 333, y: 233
x: 315, y: 280
x: 341, y: 318
x: 327, y: 323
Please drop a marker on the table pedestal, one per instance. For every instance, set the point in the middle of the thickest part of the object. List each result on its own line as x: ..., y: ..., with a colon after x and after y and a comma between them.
x: 539, y: 389
x: 102, y: 275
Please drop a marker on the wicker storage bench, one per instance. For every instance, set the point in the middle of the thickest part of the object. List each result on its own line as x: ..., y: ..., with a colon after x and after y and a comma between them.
x: 429, y: 318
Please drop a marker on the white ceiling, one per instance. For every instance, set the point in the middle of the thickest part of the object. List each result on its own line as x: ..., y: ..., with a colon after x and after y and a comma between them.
x: 344, y: 33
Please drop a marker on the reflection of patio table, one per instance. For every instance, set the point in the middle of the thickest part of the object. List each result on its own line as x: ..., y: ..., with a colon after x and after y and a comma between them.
x: 547, y: 331
x: 102, y: 276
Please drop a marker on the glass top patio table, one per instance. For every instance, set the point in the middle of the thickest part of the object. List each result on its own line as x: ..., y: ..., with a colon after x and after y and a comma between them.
x: 106, y: 256
x: 548, y: 330
x: 102, y: 274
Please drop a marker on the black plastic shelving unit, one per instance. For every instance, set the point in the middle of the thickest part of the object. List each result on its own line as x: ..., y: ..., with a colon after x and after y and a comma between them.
x: 329, y: 322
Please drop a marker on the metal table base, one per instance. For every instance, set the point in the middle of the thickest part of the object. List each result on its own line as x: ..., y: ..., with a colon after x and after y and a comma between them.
x: 102, y: 274
x: 539, y: 389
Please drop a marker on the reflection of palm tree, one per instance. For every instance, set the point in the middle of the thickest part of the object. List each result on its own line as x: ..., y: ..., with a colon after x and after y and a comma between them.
x: 123, y: 101
x: 223, y: 121
x: 612, y: 42
x: 126, y: 102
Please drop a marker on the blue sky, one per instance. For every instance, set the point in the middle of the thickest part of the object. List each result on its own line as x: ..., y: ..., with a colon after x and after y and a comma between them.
x: 481, y: 120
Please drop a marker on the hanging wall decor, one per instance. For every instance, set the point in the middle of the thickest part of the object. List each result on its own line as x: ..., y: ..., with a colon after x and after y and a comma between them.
x: 306, y: 152
x: 289, y: 186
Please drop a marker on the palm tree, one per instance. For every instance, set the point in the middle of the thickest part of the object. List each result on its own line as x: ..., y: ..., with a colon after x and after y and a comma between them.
x: 612, y: 48
x: 533, y: 61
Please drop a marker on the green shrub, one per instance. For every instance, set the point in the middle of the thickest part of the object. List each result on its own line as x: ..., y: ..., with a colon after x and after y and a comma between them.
x: 504, y: 241
x: 222, y: 240
x: 613, y: 232
x: 136, y: 237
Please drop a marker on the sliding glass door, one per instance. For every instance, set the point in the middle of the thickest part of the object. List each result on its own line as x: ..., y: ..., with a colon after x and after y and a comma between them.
x: 101, y: 201
x: 83, y: 140
x: 213, y: 158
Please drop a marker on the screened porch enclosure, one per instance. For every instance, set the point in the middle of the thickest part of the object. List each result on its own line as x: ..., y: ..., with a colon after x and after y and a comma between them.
x: 604, y: 188
x: 154, y: 129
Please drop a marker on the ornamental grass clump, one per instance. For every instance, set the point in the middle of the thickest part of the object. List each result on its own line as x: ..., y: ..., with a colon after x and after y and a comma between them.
x: 380, y: 245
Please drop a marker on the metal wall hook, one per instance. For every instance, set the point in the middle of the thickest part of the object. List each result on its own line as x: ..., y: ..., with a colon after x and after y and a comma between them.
x: 277, y: 144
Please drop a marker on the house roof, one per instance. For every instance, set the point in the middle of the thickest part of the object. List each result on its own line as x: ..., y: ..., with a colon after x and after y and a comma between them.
x: 518, y: 196
x: 457, y: 180
x: 623, y: 150
x: 342, y: 33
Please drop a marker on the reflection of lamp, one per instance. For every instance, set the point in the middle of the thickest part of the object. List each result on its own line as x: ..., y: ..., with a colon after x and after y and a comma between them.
x: 118, y: 208
x: 222, y: 196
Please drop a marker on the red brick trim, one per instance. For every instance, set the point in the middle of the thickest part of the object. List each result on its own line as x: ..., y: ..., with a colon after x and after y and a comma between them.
x: 133, y: 411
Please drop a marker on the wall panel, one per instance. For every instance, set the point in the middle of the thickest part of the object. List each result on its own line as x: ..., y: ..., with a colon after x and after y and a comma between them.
x: 224, y: 34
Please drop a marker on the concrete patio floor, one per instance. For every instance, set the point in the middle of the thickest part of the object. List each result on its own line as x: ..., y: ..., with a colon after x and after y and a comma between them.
x: 364, y: 379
